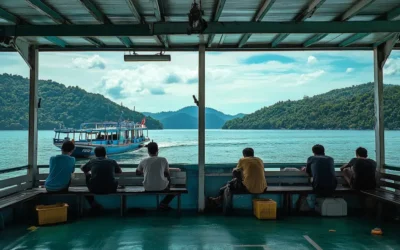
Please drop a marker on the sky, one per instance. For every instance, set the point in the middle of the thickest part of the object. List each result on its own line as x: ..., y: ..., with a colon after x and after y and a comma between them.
x: 236, y: 82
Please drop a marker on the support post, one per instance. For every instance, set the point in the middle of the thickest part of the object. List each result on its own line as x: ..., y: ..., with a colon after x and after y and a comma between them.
x: 33, y: 59
x: 381, y: 54
x: 202, y: 128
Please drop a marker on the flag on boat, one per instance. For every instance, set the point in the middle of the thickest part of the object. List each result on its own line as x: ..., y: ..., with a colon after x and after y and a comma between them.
x: 143, y: 121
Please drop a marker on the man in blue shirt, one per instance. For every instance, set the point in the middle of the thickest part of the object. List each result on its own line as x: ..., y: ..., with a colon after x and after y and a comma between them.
x: 61, y: 167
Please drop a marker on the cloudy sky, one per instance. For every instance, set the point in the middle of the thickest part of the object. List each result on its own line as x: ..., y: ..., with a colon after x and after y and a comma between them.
x: 235, y: 82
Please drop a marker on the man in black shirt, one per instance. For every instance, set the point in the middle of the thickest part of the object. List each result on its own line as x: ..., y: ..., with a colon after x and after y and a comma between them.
x: 322, y: 169
x: 101, y: 179
x: 359, y: 173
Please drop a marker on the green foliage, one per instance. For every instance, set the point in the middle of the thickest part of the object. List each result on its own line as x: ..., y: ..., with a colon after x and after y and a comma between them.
x: 347, y: 108
x: 70, y: 106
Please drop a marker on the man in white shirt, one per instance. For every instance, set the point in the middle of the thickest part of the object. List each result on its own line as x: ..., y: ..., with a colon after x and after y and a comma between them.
x: 156, y: 174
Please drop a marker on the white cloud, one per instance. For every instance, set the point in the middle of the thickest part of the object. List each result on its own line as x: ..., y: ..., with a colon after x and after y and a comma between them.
x: 349, y: 70
x: 312, y: 60
x: 92, y: 62
x: 392, y: 67
x: 304, y: 78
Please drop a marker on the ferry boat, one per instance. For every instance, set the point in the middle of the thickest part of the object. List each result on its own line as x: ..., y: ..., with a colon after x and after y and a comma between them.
x: 116, y: 137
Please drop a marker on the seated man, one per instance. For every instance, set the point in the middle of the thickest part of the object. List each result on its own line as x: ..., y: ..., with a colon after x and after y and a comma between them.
x: 156, y: 174
x: 359, y: 173
x: 100, y: 173
x: 61, y: 167
x: 322, y: 169
x: 248, y: 177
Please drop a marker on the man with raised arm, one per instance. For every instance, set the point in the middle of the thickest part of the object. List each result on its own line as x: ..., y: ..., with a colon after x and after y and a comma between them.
x: 360, y: 172
x: 156, y: 173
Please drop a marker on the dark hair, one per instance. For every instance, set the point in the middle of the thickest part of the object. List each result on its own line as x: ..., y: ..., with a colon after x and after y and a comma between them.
x: 362, y: 152
x: 248, y: 152
x: 100, y: 151
x: 68, y: 146
x: 152, y: 148
x: 318, y: 149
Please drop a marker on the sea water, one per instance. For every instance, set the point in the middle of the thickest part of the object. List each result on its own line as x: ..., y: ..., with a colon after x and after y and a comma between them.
x: 222, y: 146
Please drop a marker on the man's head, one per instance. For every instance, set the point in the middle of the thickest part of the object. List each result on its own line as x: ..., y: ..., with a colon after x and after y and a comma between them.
x: 100, y: 151
x: 248, y: 152
x: 318, y: 149
x: 68, y: 147
x: 361, y: 152
x: 152, y: 149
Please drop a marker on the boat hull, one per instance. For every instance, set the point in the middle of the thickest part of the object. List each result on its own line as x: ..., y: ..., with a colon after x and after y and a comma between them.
x: 86, y: 151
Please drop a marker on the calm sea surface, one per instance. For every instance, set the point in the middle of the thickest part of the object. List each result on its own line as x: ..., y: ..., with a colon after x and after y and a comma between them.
x: 222, y: 146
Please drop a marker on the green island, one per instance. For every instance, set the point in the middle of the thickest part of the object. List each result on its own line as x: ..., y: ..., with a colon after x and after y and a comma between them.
x: 346, y: 108
x: 69, y: 106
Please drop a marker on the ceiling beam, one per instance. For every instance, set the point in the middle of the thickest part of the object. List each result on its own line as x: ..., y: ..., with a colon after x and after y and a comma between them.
x: 391, y: 15
x: 260, y: 14
x: 351, y: 12
x: 16, y: 20
x: 162, y: 39
x: 306, y: 13
x: 386, y: 38
x: 97, y: 14
x: 47, y: 10
x: 180, y: 28
x: 216, y: 16
x: 95, y: 11
x: 96, y: 42
x: 135, y: 11
x: 158, y: 11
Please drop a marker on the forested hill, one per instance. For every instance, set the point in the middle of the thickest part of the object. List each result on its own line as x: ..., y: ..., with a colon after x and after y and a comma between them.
x: 70, y: 106
x: 347, y: 108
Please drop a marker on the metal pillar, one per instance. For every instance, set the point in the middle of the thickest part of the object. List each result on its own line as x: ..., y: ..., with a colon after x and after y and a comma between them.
x: 31, y: 56
x: 381, y: 54
x: 202, y: 125
x: 33, y: 114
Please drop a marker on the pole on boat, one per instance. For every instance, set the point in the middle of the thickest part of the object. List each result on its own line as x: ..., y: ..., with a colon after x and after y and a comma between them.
x: 381, y: 54
x: 201, y: 130
x: 33, y: 59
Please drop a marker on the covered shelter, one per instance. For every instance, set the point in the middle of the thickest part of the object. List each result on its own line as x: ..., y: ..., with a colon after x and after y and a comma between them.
x: 33, y: 26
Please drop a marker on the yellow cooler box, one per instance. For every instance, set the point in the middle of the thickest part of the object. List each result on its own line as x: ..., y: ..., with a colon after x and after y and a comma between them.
x: 264, y: 209
x: 52, y: 214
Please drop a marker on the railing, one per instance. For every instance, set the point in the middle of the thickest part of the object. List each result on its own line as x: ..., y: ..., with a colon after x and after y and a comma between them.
x: 13, y: 180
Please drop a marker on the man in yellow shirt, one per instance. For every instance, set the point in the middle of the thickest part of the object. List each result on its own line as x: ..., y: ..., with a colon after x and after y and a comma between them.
x: 248, y: 176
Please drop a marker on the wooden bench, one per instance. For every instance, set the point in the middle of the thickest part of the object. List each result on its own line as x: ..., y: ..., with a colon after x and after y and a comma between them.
x: 288, y: 183
x: 387, y: 192
x: 133, y: 187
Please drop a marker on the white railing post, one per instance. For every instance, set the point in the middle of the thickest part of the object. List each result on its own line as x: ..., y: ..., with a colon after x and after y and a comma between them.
x: 202, y: 128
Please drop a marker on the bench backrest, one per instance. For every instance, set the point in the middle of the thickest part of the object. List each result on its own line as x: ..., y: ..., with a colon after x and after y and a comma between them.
x: 277, y: 178
x: 126, y: 179
x: 390, y: 180
x: 14, y: 185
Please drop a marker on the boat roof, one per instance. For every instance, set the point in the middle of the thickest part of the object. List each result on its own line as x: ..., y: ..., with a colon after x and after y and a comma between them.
x: 233, y: 25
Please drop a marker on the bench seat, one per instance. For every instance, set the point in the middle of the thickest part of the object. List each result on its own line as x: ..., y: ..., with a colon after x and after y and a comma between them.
x: 295, y: 190
x: 16, y: 198
x: 123, y: 193
x: 383, y: 195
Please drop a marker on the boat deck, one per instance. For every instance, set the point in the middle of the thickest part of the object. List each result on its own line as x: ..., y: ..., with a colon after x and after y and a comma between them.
x: 159, y: 231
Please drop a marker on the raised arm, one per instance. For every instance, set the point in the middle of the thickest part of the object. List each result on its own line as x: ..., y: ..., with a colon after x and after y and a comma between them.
x: 117, y: 168
x: 139, y: 169
x: 86, y: 168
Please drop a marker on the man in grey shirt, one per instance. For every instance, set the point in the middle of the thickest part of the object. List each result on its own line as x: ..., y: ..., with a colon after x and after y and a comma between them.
x: 321, y: 168
x: 156, y: 174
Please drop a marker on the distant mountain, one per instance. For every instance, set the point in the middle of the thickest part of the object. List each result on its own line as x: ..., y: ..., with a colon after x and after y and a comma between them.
x: 187, y: 118
x: 346, y: 108
x: 70, y: 106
